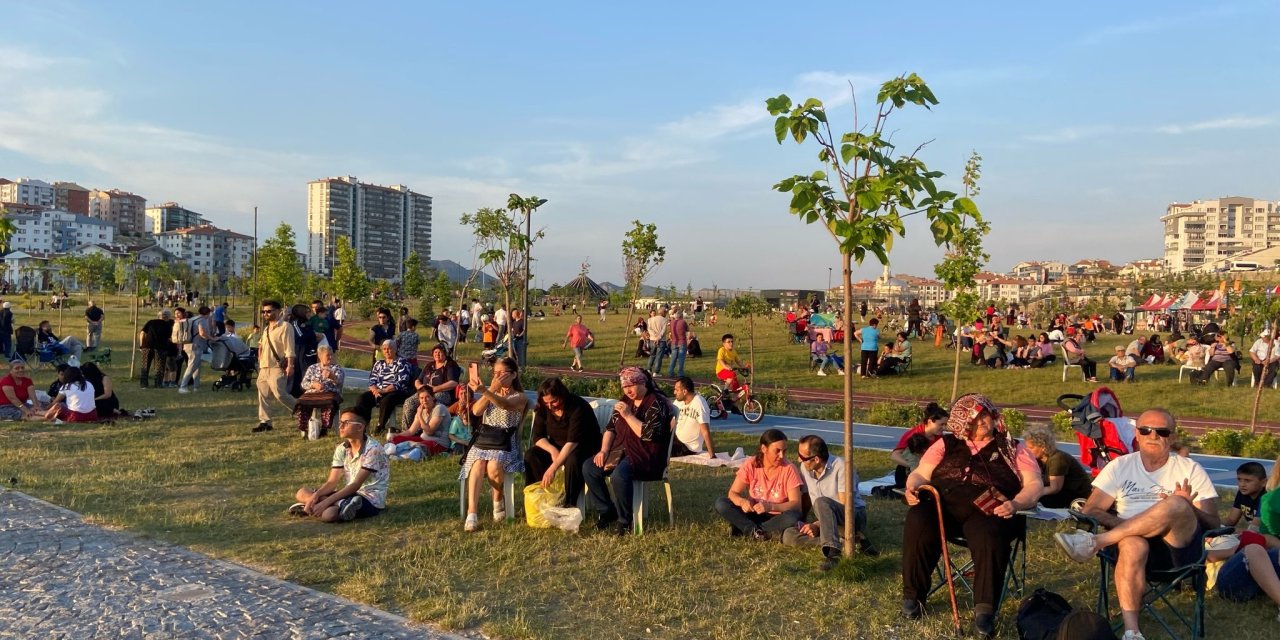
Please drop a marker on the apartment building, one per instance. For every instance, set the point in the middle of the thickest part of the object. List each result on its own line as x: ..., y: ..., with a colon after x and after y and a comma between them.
x: 1040, y: 271
x: 123, y: 209
x: 53, y: 231
x: 69, y: 196
x: 1210, y: 231
x: 27, y: 191
x: 383, y: 224
x: 172, y: 216
x: 210, y: 250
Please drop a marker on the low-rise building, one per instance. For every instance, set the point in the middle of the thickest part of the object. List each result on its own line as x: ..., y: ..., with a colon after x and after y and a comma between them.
x: 69, y: 196
x: 1152, y: 268
x: 53, y: 231
x: 210, y: 250
x: 28, y: 191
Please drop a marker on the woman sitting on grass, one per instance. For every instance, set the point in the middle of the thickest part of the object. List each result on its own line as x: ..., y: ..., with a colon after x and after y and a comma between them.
x: 15, y: 392
x: 105, y: 402
x: 764, y: 499
x: 74, y: 402
x: 1065, y: 479
x: 1042, y: 352
x: 427, y: 433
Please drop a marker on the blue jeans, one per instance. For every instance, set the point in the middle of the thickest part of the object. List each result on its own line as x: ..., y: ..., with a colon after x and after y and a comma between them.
x: 1119, y: 375
x: 1236, y: 584
x: 520, y: 344
x: 745, y: 523
x: 656, y: 356
x: 621, y: 479
x: 678, y: 353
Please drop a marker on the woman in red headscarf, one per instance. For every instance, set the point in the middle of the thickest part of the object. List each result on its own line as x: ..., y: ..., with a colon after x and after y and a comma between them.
x: 984, y: 477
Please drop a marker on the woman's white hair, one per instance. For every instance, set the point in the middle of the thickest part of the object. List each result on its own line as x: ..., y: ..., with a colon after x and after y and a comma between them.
x: 389, y: 342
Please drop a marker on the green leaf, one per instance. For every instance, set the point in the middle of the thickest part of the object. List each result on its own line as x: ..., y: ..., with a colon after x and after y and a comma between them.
x: 778, y: 105
x: 780, y: 127
x: 848, y: 152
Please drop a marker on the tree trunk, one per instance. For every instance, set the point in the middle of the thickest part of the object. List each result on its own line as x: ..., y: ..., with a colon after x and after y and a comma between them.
x: 751, y: 347
x: 133, y: 353
x: 1257, y: 393
x: 631, y: 309
x: 955, y: 375
x: 847, y: 321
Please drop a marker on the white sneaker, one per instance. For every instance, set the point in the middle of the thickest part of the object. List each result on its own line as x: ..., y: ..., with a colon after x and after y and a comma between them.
x: 1078, y: 545
x: 821, y: 372
x: 1130, y: 634
x: 499, y: 513
x: 183, y: 390
x: 841, y: 371
x: 472, y: 523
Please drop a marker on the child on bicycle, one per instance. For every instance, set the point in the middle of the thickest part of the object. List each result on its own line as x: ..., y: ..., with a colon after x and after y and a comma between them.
x: 727, y: 365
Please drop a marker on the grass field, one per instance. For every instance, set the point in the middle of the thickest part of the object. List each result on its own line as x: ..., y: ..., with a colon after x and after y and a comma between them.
x: 195, y: 476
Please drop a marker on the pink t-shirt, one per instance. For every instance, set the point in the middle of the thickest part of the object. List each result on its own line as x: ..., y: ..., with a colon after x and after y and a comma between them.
x: 1022, y: 457
x: 578, y: 336
x: 772, y: 490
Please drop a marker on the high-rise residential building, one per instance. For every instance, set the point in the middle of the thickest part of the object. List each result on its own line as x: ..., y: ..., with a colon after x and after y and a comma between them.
x: 383, y: 224
x: 172, y: 216
x: 123, y: 209
x: 1207, y: 231
x: 210, y: 250
x: 52, y: 231
x: 28, y: 191
x: 69, y: 196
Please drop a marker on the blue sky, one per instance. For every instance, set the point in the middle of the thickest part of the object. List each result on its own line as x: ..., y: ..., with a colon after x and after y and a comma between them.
x: 1090, y: 119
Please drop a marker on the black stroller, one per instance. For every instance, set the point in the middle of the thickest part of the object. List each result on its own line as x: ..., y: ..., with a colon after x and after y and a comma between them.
x: 236, y: 362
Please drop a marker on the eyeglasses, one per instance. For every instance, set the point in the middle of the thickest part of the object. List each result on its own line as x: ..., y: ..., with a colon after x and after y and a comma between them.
x: 347, y: 422
x: 1163, y: 432
x: 266, y: 311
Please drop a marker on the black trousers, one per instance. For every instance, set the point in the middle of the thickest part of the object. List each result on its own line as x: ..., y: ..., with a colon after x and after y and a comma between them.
x: 1206, y: 373
x: 386, y: 404
x: 537, y: 461
x: 868, y: 363
x: 990, y: 542
x: 160, y: 359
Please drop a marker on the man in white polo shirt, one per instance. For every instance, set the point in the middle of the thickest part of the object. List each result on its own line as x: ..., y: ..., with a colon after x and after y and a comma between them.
x: 1164, y: 504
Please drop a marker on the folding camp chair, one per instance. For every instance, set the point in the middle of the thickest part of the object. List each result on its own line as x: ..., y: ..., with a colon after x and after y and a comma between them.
x: 949, y: 573
x: 1160, y: 584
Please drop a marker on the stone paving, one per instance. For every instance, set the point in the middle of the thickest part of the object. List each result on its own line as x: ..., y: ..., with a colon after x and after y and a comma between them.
x: 63, y: 578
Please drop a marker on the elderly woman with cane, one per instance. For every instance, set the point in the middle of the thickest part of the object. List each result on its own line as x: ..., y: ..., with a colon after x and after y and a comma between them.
x: 980, y: 478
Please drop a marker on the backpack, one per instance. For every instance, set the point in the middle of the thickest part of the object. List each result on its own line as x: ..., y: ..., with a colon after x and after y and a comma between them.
x: 1084, y: 625
x: 1040, y: 615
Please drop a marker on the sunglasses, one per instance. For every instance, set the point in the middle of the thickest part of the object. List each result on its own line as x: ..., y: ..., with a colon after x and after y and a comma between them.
x: 806, y: 458
x: 1163, y: 432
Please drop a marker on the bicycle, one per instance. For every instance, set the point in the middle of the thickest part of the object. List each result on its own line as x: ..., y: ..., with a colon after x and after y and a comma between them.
x: 715, y: 395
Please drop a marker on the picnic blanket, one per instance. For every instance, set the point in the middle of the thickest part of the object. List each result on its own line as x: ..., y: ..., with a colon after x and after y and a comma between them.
x: 722, y: 459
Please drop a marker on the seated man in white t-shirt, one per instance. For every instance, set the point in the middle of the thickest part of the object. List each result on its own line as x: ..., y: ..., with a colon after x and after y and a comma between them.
x: 693, y: 433
x: 1164, y: 503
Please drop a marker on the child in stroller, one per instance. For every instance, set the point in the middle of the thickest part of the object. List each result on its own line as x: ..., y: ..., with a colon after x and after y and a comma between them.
x: 233, y: 358
x: 491, y: 356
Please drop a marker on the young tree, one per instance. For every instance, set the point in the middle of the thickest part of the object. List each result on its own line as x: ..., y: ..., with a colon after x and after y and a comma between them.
x: 861, y: 196
x: 964, y: 259
x: 414, y: 279
x: 502, y: 246
x: 1258, y: 311
x: 749, y: 306
x: 280, y: 272
x: 441, y: 288
x: 350, y: 282
x: 641, y: 254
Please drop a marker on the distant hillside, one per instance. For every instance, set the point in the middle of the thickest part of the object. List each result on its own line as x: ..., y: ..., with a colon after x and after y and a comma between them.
x: 645, y: 290
x: 459, y: 274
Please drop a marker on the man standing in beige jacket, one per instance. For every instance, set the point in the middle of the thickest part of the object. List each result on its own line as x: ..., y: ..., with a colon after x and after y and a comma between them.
x: 275, y: 363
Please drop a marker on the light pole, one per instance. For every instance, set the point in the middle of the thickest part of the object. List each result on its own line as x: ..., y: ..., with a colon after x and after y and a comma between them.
x: 828, y: 280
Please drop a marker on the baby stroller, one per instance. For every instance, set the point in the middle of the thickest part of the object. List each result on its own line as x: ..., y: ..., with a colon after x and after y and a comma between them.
x: 236, y: 368
x: 1101, y: 428
x: 491, y: 356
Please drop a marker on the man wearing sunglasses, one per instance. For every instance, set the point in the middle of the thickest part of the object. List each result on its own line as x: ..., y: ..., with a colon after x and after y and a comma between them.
x: 1163, y: 505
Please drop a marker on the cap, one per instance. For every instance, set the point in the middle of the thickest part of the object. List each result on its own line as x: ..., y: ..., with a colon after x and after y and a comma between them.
x: 7, y: 305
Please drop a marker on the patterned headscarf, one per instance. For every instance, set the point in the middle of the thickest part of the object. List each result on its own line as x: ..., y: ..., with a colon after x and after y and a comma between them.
x: 965, y: 412
x: 631, y: 375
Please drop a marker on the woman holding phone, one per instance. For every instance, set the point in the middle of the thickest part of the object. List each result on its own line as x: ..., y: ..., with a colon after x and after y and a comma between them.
x: 495, y: 449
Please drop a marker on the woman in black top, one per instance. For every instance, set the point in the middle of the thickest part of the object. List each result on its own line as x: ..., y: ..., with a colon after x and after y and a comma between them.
x: 105, y: 400
x: 382, y: 331
x: 565, y: 434
x: 442, y: 374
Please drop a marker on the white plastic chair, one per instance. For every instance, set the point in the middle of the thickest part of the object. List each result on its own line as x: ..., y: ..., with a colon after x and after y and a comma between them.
x: 1208, y: 353
x: 1253, y: 380
x: 1067, y: 365
x: 640, y: 491
x: 508, y: 486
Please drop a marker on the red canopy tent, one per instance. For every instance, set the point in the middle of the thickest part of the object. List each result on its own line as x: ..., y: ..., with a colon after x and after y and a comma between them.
x: 1149, y: 305
x: 1211, y: 304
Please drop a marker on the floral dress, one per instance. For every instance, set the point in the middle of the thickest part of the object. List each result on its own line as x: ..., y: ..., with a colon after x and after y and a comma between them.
x: 511, y: 459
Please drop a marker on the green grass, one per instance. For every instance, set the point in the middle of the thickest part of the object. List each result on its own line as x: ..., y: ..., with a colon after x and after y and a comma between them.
x: 195, y: 476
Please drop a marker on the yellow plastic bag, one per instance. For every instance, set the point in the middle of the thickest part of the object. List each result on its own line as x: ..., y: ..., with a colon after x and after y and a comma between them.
x: 537, y: 499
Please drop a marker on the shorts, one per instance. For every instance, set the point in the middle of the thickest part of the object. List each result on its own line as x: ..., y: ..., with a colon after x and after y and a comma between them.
x: 1235, y: 583
x: 728, y: 375
x: 1162, y: 557
x: 10, y: 412
x: 577, y: 353
x: 367, y: 510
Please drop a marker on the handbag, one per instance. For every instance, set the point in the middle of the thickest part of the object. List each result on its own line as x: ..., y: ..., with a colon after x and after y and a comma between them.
x: 319, y: 399
x: 492, y: 438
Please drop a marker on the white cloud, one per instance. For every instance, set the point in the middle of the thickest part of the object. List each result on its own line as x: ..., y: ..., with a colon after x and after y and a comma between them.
x: 1070, y: 134
x: 1154, y: 25
x: 17, y: 59
x: 1233, y: 122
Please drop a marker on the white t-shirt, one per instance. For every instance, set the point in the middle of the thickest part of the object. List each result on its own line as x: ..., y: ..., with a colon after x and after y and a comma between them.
x: 79, y: 400
x: 1136, y: 490
x: 340, y: 314
x: 690, y: 416
x: 1260, y: 348
x: 500, y: 317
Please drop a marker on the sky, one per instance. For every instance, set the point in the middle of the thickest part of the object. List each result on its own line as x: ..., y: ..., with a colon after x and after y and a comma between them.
x: 1090, y: 119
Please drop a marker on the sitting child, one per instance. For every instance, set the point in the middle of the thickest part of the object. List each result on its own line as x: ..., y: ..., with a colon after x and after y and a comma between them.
x: 1251, y: 481
x: 75, y: 399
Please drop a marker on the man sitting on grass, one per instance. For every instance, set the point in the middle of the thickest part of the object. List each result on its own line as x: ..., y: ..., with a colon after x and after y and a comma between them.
x: 361, y: 464
x: 1164, y: 504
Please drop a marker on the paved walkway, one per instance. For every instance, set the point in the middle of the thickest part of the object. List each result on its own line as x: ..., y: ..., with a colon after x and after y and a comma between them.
x: 63, y: 578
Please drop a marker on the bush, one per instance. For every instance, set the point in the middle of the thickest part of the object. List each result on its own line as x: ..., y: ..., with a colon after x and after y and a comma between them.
x: 1223, y: 442
x: 1061, y: 423
x: 775, y: 401
x: 1183, y: 437
x: 894, y: 414
x: 1015, y: 421
x: 1262, y: 445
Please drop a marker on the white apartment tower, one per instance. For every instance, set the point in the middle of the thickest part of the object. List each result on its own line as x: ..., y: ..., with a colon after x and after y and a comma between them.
x: 383, y: 224
x: 28, y: 191
x: 1207, y: 231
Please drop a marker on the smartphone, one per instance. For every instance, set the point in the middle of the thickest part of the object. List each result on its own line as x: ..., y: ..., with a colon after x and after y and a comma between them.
x: 473, y: 370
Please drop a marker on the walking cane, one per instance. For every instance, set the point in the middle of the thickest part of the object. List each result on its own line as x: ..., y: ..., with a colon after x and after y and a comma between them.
x: 946, y: 555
